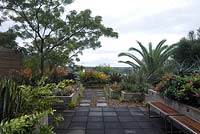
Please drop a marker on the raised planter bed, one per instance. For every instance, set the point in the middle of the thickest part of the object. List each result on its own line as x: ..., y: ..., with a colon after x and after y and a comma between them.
x: 67, y: 100
x: 189, y: 111
x: 128, y: 96
x: 94, y: 86
x: 114, y: 93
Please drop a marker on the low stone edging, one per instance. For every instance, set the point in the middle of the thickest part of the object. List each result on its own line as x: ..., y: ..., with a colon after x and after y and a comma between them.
x: 114, y: 93
x: 127, y: 96
x: 66, y: 100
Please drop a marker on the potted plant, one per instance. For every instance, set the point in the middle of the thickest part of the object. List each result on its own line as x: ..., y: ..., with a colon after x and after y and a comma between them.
x: 114, y: 90
x: 131, y: 92
x: 133, y: 86
x: 65, y: 92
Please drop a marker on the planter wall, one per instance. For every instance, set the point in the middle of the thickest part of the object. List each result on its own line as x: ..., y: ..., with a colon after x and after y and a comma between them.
x: 189, y: 111
x: 114, y: 93
x: 66, y: 100
x: 127, y: 96
x: 42, y: 120
x: 94, y: 86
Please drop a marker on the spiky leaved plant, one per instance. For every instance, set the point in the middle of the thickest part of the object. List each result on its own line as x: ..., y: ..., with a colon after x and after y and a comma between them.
x: 152, y: 59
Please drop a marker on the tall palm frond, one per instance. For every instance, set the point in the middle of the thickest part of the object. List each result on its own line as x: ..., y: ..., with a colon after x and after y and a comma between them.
x: 152, y: 59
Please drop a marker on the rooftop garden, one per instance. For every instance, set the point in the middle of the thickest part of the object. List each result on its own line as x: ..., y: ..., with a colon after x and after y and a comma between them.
x: 54, y: 43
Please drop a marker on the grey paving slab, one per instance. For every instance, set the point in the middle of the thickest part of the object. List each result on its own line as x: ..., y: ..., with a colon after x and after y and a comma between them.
x: 158, y: 122
x: 78, y: 125
x: 101, y: 101
x: 135, y: 109
x: 102, y: 104
x: 82, y: 109
x: 114, y: 131
x: 95, y: 113
x: 137, y: 113
x: 133, y: 131
x: 75, y: 132
x: 61, y: 125
x: 152, y: 131
x: 85, y: 101
x: 110, y: 119
x: 67, y: 118
x: 141, y: 118
x: 60, y: 131
x: 107, y: 109
x: 106, y: 120
x: 94, y: 118
x: 81, y: 113
x: 100, y: 95
x: 100, y: 92
x: 146, y: 125
x: 102, y: 98
x: 110, y: 125
x: 84, y: 104
x: 79, y: 118
x: 126, y: 118
x: 95, y: 125
x: 123, y: 113
x: 130, y: 125
x: 101, y: 131
x: 95, y: 109
x: 122, y: 109
x: 109, y: 114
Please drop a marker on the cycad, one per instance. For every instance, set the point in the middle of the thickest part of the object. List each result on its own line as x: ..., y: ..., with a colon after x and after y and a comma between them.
x: 152, y: 59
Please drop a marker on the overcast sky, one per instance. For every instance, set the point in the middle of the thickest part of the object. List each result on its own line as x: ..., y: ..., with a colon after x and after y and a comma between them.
x: 142, y: 20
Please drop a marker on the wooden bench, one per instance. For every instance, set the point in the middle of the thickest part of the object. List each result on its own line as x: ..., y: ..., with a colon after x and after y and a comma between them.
x: 174, y: 116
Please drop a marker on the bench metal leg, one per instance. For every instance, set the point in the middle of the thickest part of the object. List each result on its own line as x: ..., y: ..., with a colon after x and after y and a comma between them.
x: 166, y: 131
x: 149, y: 112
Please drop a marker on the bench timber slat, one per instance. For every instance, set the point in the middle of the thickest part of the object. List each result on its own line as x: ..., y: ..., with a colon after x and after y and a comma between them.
x: 188, y: 123
x: 163, y: 108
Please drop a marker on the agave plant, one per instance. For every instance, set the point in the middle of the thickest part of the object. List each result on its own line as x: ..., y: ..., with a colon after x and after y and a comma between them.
x: 152, y: 59
x: 115, y: 78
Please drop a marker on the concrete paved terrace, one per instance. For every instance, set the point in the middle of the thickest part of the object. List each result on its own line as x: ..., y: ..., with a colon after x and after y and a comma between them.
x: 93, y: 116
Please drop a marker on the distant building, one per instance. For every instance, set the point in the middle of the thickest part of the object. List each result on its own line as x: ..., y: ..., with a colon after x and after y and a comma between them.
x: 10, y: 62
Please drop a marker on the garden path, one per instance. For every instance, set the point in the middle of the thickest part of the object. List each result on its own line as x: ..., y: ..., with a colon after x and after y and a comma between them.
x: 94, y: 116
x: 93, y: 98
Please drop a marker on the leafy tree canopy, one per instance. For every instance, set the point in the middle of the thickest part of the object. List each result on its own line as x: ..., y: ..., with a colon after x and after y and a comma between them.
x: 57, y: 38
x: 7, y: 40
x: 188, y: 49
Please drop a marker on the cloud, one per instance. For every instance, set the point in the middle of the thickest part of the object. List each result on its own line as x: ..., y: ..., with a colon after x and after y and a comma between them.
x: 143, y: 20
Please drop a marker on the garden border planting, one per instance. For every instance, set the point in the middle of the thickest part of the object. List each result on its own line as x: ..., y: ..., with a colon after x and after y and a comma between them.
x: 187, y: 110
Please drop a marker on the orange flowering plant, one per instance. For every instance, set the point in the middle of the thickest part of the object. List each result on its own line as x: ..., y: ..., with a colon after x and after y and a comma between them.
x: 93, y: 76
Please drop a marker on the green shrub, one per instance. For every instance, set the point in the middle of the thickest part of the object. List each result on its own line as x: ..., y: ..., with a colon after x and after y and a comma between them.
x: 184, y: 89
x: 26, y: 124
x: 134, y: 82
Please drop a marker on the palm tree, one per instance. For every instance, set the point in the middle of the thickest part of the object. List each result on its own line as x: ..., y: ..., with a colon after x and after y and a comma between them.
x: 152, y: 59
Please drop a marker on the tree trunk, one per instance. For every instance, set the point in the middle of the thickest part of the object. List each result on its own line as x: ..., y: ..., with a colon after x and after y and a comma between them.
x: 42, y: 58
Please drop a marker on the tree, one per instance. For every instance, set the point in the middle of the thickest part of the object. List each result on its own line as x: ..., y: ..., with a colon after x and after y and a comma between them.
x: 187, y: 50
x: 55, y: 36
x: 7, y: 40
x: 152, y: 59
